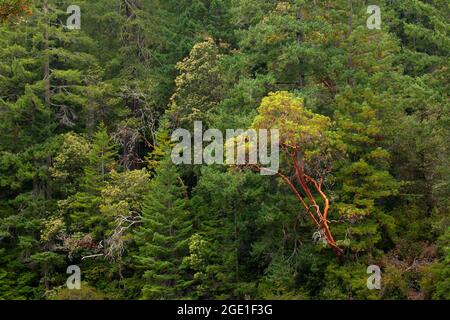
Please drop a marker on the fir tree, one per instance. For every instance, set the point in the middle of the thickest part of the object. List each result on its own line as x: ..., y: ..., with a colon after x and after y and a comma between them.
x: 164, y: 235
x: 83, y: 207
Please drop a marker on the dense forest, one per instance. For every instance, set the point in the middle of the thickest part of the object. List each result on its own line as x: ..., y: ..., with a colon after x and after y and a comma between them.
x: 86, y: 176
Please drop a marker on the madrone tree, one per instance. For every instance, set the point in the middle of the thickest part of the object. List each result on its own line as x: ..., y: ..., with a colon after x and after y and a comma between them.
x: 307, y: 146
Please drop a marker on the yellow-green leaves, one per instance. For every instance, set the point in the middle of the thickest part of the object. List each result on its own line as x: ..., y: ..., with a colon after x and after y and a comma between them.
x: 298, y: 127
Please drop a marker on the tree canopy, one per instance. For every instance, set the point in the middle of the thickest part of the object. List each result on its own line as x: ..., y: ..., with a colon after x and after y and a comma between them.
x: 86, y: 177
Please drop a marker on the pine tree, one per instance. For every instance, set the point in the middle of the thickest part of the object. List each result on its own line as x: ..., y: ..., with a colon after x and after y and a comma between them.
x: 83, y: 207
x: 44, y: 67
x: 163, y: 237
x: 101, y: 160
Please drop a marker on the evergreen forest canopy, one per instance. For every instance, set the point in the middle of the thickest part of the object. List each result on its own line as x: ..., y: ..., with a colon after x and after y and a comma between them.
x: 86, y: 177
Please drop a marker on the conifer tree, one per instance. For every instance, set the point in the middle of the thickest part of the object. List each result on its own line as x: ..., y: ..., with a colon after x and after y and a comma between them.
x: 163, y: 237
x: 83, y: 207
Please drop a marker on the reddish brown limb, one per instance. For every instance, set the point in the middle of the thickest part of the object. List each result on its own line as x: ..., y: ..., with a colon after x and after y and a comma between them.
x: 321, y: 223
x: 294, y: 190
x: 299, y: 175
x: 303, y: 180
x: 291, y: 185
x: 324, y: 222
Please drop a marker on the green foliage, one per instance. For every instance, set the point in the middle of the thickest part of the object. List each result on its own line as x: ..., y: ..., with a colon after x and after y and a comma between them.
x: 86, y: 292
x: 82, y: 208
x: 347, y: 282
x: 163, y: 236
x: 199, y: 86
x: 298, y: 127
x: 86, y: 118
x: 101, y: 160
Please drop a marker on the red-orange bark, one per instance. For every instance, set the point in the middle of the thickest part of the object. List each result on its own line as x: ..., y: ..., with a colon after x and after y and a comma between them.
x: 305, y: 181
